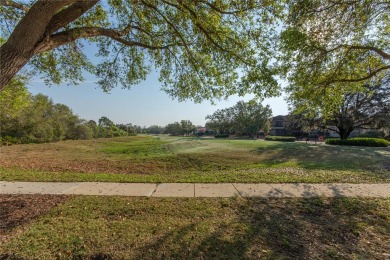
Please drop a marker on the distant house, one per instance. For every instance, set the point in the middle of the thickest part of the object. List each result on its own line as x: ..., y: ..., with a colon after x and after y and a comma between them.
x: 331, y: 131
x: 201, y: 130
x: 278, y: 125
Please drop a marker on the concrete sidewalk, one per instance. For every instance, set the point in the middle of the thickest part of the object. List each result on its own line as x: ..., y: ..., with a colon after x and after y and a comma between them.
x: 278, y: 190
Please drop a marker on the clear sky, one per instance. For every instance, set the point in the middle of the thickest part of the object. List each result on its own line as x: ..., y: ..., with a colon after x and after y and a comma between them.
x: 145, y: 104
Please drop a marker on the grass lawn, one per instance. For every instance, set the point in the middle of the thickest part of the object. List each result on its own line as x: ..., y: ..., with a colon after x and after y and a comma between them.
x: 177, y: 159
x: 89, y: 227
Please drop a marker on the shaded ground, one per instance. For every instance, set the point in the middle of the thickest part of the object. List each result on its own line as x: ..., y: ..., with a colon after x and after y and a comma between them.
x: 155, y: 228
x: 17, y: 210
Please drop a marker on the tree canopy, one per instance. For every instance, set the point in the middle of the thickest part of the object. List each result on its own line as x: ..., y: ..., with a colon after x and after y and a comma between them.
x: 242, y: 118
x: 184, y: 127
x: 369, y: 109
x: 329, y: 48
x: 203, y: 49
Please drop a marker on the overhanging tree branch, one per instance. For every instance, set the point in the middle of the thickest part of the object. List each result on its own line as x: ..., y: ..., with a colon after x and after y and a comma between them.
x: 184, y: 42
x: 215, y: 8
x: 14, y: 4
x: 71, y: 35
x: 381, y: 52
x: 206, y: 33
x: 69, y: 14
x: 21, y: 45
x: 368, y: 76
x: 31, y: 32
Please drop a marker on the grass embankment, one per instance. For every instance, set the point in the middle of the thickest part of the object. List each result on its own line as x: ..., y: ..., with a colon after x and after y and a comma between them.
x: 150, y: 228
x: 173, y: 159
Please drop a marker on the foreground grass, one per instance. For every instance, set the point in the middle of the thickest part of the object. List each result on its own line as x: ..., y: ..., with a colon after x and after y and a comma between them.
x: 170, y: 159
x: 150, y: 228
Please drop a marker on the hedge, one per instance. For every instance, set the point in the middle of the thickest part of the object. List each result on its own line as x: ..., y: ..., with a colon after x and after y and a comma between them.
x: 375, y: 142
x: 222, y: 136
x: 280, y: 138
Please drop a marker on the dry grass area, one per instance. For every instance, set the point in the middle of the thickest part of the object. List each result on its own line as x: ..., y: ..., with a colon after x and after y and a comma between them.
x: 147, y: 158
x: 149, y: 228
x: 139, y: 155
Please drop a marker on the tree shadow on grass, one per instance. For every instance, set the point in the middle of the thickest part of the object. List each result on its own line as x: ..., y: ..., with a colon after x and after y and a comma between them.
x: 311, y: 156
x: 233, y: 228
x: 279, y: 229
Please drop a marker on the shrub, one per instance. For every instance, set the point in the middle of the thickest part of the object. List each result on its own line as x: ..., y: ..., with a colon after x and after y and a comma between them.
x: 280, y: 138
x: 8, y: 140
x: 222, y: 136
x: 375, y: 142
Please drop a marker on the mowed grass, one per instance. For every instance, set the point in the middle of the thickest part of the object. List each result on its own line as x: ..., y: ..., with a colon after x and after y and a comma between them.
x: 235, y: 228
x: 187, y: 159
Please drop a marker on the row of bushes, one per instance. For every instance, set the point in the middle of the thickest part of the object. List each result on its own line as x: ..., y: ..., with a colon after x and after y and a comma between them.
x: 280, y: 138
x: 375, y: 142
x: 358, y: 141
x: 222, y: 136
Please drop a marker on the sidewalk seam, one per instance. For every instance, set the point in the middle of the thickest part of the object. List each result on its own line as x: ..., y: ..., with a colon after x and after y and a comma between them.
x: 151, y: 195
x: 237, y: 190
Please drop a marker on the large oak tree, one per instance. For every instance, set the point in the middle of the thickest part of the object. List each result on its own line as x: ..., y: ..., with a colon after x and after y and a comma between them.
x: 329, y: 45
x: 203, y: 49
x: 369, y: 109
x: 333, y: 53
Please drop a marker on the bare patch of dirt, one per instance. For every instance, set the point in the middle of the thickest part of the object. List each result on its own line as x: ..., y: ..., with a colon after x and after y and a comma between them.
x: 98, y: 166
x: 17, y: 210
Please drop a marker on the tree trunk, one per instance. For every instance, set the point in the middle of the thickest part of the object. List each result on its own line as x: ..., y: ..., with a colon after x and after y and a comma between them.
x: 42, y: 19
x: 344, y: 132
x: 11, y: 61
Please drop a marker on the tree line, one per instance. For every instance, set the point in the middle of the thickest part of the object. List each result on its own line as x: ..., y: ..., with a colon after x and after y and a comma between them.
x: 28, y: 118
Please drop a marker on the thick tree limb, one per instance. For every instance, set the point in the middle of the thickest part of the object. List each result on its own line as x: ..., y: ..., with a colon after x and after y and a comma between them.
x: 33, y: 25
x: 21, y: 44
x: 14, y: 4
x: 69, y: 14
x: 71, y: 35
x: 382, y: 53
x: 370, y: 75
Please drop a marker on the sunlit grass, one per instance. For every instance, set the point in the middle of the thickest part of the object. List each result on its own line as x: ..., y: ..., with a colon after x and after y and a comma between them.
x: 177, y: 159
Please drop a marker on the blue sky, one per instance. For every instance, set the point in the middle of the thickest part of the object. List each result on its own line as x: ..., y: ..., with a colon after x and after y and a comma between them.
x: 145, y: 104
